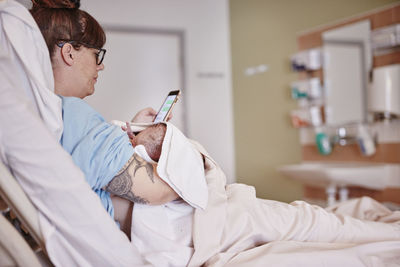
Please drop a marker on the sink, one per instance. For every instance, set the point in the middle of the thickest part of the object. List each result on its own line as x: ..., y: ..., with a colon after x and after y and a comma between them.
x: 375, y: 176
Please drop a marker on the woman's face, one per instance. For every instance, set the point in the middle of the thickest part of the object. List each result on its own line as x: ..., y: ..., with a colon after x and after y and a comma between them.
x: 87, y: 71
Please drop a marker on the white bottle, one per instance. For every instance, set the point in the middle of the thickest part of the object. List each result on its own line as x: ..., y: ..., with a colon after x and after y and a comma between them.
x: 365, y: 141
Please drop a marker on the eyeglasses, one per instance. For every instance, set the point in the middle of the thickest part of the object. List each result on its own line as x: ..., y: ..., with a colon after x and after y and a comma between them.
x: 99, y: 55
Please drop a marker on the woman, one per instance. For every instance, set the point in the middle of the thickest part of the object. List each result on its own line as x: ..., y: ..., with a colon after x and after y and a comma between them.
x: 103, y: 152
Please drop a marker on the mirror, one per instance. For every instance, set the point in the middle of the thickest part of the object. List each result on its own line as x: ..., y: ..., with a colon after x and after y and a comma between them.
x: 347, y: 62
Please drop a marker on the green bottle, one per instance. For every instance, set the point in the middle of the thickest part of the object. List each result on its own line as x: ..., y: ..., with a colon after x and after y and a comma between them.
x: 323, y: 144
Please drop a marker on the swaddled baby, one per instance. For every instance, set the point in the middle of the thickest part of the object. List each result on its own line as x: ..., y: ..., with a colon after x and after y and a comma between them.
x: 151, y: 138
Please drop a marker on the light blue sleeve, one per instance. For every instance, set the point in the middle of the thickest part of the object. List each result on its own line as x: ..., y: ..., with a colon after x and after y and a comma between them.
x: 99, y: 148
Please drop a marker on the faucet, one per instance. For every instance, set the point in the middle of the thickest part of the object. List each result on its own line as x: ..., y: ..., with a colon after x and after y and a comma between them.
x: 346, y: 135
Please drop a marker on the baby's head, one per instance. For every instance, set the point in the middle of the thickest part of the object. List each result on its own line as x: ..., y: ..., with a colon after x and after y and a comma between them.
x: 151, y: 138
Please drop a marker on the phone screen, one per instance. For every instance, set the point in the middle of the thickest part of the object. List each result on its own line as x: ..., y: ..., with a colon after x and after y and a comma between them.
x: 167, y: 106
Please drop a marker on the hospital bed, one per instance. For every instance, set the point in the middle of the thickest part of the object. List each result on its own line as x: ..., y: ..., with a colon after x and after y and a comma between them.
x: 14, y: 250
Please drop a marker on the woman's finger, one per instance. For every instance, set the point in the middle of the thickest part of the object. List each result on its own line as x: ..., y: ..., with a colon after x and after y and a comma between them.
x: 128, y: 128
x: 169, y: 116
x: 131, y: 135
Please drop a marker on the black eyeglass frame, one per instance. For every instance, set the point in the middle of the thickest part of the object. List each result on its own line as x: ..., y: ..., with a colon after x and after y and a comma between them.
x: 99, y: 55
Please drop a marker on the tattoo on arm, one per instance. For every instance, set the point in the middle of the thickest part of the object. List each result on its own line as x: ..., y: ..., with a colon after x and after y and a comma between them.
x: 121, y: 184
x: 140, y: 163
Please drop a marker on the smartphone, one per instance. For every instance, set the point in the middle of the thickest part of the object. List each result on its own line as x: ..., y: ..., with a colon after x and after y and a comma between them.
x: 167, y: 106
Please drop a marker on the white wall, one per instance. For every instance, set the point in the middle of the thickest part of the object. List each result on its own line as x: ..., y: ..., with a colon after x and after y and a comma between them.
x: 207, y: 62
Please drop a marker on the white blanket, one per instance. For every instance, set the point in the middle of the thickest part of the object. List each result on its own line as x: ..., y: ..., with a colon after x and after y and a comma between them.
x: 237, y: 229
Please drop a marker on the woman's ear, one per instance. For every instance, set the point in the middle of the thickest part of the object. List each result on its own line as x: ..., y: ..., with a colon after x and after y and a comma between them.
x: 68, y: 54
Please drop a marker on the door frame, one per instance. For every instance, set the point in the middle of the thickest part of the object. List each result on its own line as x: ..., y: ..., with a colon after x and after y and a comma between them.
x: 180, y: 35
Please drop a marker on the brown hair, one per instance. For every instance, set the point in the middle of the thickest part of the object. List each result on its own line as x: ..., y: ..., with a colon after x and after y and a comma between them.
x: 63, y: 20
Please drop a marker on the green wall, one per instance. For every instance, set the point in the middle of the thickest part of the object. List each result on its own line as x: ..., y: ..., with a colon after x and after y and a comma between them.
x: 264, y: 32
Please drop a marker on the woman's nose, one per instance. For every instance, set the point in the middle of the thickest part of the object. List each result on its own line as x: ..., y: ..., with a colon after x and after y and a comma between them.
x: 100, y: 67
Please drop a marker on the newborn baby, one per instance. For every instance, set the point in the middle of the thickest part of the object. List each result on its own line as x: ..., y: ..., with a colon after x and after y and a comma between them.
x: 151, y: 138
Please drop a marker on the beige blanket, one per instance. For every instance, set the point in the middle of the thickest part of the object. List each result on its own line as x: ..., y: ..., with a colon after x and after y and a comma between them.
x: 237, y: 229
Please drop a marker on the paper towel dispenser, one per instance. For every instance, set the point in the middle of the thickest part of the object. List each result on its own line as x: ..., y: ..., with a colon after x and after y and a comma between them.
x: 384, y: 92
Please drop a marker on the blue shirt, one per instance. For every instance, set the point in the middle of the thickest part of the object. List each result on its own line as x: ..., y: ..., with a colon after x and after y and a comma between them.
x: 97, y: 147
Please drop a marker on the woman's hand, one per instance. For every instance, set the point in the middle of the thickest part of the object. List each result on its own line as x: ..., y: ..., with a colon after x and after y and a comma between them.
x: 145, y: 115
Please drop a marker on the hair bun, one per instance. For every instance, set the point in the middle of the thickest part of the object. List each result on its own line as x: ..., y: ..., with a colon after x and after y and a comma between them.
x: 76, y: 3
x: 72, y: 4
